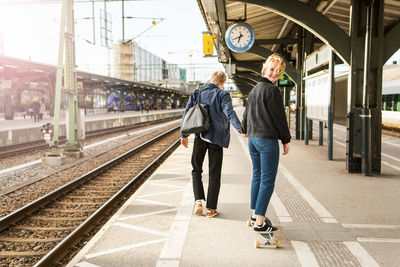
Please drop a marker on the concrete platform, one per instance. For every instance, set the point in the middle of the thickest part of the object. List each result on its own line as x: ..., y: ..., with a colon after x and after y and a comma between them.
x: 326, y: 217
x: 25, y: 130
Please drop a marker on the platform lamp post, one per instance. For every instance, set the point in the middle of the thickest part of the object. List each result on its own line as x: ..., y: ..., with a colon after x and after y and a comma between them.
x: 66, y: 70
x: 366, y: 160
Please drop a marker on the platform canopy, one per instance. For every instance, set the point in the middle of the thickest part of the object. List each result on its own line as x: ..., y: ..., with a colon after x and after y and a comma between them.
x: 277, y: 25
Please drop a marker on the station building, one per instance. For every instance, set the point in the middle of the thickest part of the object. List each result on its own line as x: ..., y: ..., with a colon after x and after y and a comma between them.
x: 134, y: 63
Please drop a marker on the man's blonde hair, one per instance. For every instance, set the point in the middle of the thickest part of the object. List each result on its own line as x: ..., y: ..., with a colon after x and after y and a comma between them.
x: 218, y: 77
x: 275, y: 57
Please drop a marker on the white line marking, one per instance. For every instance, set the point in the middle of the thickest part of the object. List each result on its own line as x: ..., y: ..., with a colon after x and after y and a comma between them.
x: 378, y: 240
x: 146, y: 214
x: 339, y: 143
x: 343, y: 129
x: 86, y: 264
x: 169, y: 170
x: 174, y: 246
x: 161, y: 193
x: 16, y: 168
x: 390, y: 165
x: 141, y: 229
x: 170, y: 179
x: 155, y: 202
x: 319, y: 209
x: 166, y: 185
x: 361, y: 254
x: 383, y: 154
x: 390, y: 143
x: 168, y: 263
x: 280, y: 209
x: 390, y: 157
x: 137, y: 245
x: 371, y: 226
x: 304, y: 253
x: 329, y: 220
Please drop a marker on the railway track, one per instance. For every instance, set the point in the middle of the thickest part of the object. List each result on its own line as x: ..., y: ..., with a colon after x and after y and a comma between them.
x: 43, y: 232
x: 17, y: 149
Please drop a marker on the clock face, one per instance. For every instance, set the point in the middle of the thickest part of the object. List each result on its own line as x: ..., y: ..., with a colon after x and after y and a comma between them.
x: 239, y: 37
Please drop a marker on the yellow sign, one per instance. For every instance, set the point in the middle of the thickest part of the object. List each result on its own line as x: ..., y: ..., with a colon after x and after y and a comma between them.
x: 208, y: 44
x: 237, y: 95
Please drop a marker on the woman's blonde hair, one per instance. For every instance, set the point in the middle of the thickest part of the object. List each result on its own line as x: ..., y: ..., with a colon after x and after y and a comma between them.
x: 275, y: 57
x: 218, y: 77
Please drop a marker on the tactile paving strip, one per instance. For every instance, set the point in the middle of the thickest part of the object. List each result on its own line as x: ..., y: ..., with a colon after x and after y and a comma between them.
x: 298, y: 208
x: 332, y: 253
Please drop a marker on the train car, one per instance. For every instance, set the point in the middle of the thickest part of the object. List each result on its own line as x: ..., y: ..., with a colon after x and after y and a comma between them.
x: 391, y: 104
x: 391, y: 95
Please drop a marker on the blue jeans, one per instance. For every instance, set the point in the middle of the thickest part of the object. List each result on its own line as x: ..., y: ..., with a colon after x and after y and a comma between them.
x: 265, y: 157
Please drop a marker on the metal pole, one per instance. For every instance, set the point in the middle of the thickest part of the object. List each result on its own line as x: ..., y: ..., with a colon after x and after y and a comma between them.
x: 59, y: 76
x: 306, y: 135
x: 366, y: 166
x: 123, y: 21
x: 321, y: 133
x: 299, y: 67
x: 70, y: 82
x: 94, y: 26
x: 331, y: 107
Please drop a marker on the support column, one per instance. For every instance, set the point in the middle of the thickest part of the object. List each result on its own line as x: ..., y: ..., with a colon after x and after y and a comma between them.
x: 331, y: 107
x: 355, y: 132
x: 300, y: 85
x: 52, y: 89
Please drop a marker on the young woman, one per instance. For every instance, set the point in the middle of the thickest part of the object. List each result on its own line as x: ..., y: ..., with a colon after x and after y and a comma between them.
x: 264, y: 122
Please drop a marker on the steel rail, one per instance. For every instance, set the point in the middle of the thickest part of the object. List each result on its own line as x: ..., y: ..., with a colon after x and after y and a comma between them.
x: 28, y: 209
x: 62, y: 248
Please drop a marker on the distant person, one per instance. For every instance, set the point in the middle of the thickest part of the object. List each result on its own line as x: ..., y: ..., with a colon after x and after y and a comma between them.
x: 29, y: 112
x: 214, y: 140
x: 42, y: 110
x: 264, y: 122
x: 36, y: 110
x: 111, y: 102
x: 146, y: 105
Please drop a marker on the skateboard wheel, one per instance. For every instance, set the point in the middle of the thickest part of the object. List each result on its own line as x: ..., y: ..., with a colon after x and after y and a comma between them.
x: 249, y: 223
x: 277, y: 244
x: 257, y: 244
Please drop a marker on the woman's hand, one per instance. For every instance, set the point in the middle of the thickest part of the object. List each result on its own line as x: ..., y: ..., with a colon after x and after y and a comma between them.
x: 285, y: 149
x: 184, y: 142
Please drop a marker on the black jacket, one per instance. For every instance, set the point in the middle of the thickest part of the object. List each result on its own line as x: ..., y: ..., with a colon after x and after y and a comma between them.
x: 265, y: 115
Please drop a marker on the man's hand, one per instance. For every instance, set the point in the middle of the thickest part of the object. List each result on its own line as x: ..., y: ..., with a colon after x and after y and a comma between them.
x: 285, y: 149
x: 184, y: 142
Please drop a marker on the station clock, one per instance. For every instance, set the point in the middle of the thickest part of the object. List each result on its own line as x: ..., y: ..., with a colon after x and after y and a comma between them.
x: 239, y: 37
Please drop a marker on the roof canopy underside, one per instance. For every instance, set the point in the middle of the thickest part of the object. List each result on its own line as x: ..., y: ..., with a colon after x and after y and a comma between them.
x: 276, y: 24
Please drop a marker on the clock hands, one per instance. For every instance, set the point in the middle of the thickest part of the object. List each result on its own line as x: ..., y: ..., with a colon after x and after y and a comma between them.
x: 239, y: 37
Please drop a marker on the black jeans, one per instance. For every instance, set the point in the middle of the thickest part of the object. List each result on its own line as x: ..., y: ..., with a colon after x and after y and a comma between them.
x: 215, y: 153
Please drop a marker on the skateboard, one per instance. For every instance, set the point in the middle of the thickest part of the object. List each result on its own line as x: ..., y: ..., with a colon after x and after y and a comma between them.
x: 268, y: 241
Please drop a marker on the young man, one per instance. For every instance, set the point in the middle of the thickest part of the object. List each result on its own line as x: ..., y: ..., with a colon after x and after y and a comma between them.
x: 214, y: 140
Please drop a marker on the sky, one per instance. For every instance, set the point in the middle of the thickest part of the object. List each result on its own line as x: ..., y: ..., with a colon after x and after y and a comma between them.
x: 31, y: 31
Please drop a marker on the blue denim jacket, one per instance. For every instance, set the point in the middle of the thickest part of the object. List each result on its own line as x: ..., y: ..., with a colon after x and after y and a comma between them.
x: 221, y: 113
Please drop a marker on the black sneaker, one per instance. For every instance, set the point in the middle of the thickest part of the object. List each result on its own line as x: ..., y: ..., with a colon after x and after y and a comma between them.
x: 253, y: 220
x: 266, y: 227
